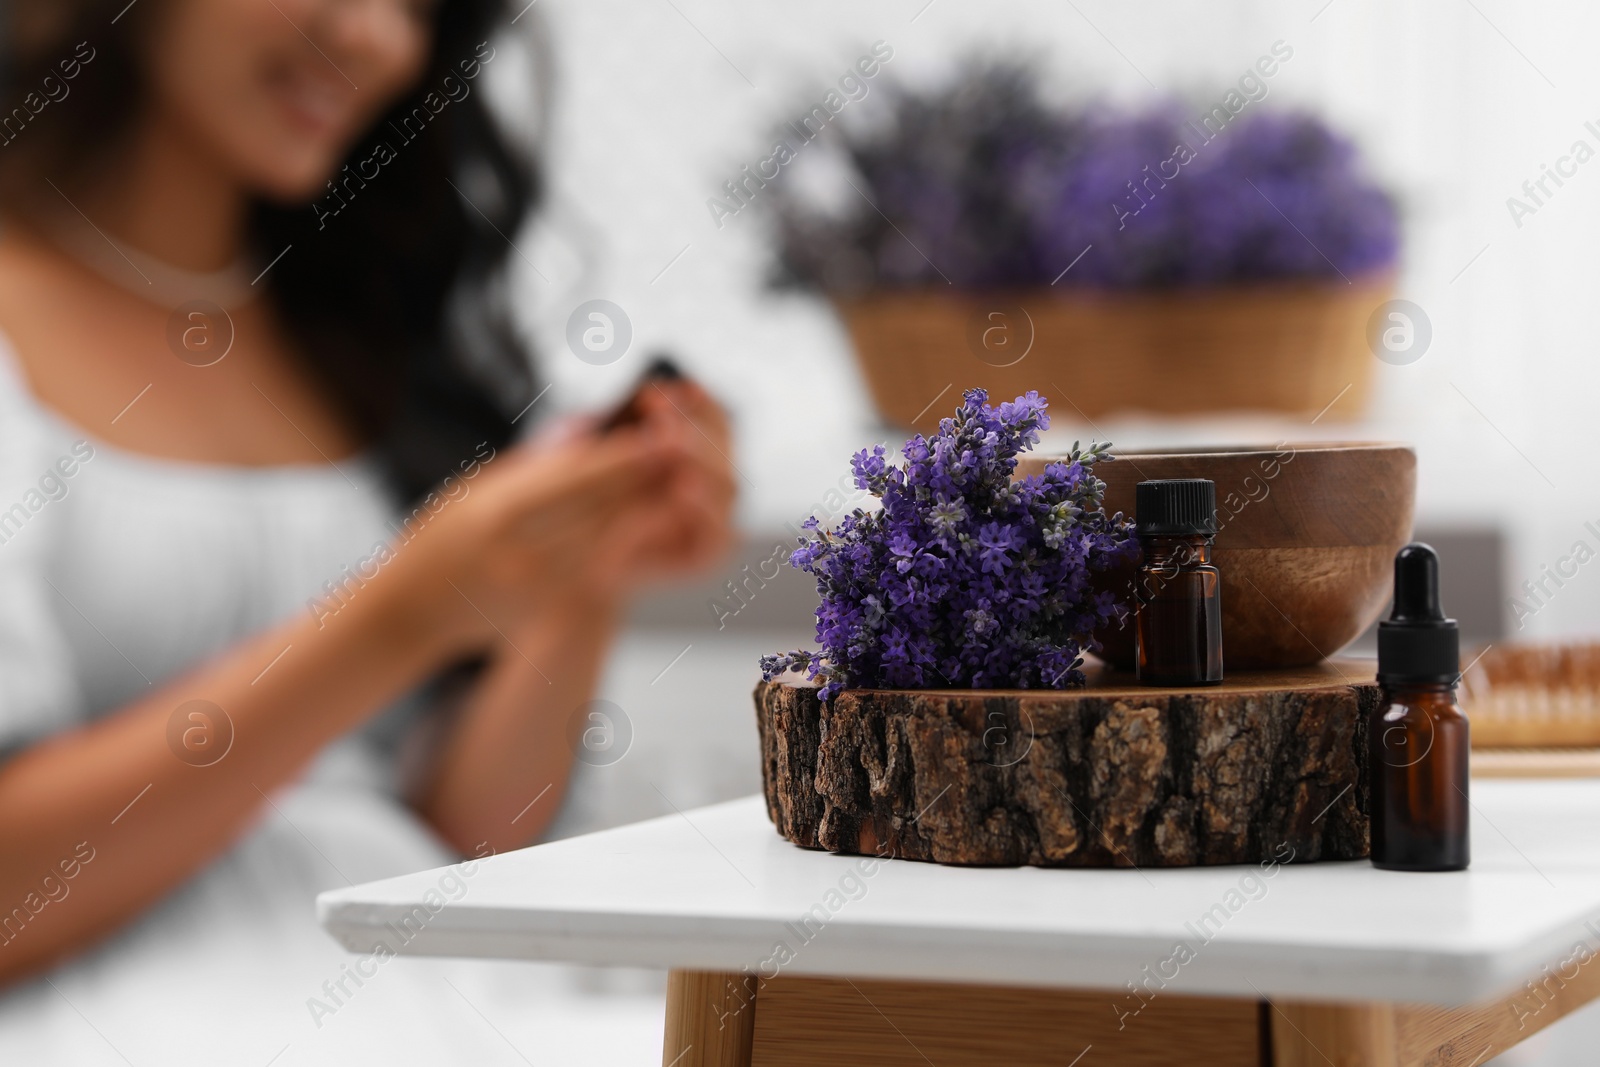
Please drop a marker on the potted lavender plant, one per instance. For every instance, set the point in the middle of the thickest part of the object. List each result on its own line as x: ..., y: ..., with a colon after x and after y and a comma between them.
x: 1140, y: 260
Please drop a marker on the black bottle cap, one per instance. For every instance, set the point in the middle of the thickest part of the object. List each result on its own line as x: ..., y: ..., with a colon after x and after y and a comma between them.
x: 1176, y: 507
x: 1417, y: 645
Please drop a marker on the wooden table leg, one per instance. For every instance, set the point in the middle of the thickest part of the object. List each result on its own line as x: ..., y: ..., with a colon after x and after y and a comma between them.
x: 1412, y: 1035
x: 711, y: 1019
x: 1343, y: 1035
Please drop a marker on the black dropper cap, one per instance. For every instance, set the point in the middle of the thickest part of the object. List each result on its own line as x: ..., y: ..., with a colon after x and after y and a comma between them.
x: 1417, y: 645
x: 1175, y: 507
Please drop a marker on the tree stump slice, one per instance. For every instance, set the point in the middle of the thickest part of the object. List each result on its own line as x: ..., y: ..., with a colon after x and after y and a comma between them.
x: 1270, y: 765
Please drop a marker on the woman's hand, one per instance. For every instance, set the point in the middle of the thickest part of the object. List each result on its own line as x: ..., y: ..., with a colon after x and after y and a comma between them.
x: 537, y: 522
x: 511, y: 742
x: 574, y: 518
x: 685, y: 526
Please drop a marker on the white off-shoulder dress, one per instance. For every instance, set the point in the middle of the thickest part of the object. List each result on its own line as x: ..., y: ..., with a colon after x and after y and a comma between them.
x: 119, y: 571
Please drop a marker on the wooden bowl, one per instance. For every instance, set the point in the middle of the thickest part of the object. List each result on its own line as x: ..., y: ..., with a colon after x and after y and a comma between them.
x: 1305, y: 543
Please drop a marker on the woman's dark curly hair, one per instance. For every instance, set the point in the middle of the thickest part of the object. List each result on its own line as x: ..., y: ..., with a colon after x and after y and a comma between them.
x: 400, y: 303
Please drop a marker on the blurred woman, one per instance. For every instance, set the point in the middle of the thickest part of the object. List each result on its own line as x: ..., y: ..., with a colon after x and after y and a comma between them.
x: 281, y: 600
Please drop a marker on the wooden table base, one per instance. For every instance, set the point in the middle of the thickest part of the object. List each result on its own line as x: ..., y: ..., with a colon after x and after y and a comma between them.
x: 711, y: 1019
x: 735, y: 1020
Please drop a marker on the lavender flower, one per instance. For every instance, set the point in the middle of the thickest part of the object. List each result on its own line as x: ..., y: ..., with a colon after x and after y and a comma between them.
x: 986, y: 186
x: 1278, y: 197
x: 964, y: 577
x: 945, y: 168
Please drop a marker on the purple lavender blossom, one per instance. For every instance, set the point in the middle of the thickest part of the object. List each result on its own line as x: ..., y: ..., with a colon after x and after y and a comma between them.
x: 964, y: 578
x: 1278, y: 196
x: 945, y: 168
x: 986, y: 186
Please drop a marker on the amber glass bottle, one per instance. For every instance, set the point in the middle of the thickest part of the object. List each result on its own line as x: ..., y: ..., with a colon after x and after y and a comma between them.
x: 1418, y: 739
x: 1178, y: 626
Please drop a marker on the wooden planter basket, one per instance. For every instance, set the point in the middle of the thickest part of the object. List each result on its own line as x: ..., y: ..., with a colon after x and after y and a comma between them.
x: 1282, y: 348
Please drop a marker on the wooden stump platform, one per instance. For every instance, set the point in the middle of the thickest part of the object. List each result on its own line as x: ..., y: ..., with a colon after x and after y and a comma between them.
x: 1270, y: 765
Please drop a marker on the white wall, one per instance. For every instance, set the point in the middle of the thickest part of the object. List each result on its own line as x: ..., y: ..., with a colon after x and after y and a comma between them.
x: 1456, y: 103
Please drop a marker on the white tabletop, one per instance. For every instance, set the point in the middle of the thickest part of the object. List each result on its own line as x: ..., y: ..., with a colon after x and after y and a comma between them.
x: 717, y: 889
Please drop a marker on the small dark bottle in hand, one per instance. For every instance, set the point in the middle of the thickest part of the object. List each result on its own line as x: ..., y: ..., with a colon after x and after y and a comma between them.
x: 1417, y: 740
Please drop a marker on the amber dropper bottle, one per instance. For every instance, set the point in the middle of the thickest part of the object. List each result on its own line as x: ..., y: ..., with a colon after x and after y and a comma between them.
x: 1417, y: 740
x: 1178, y: 625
